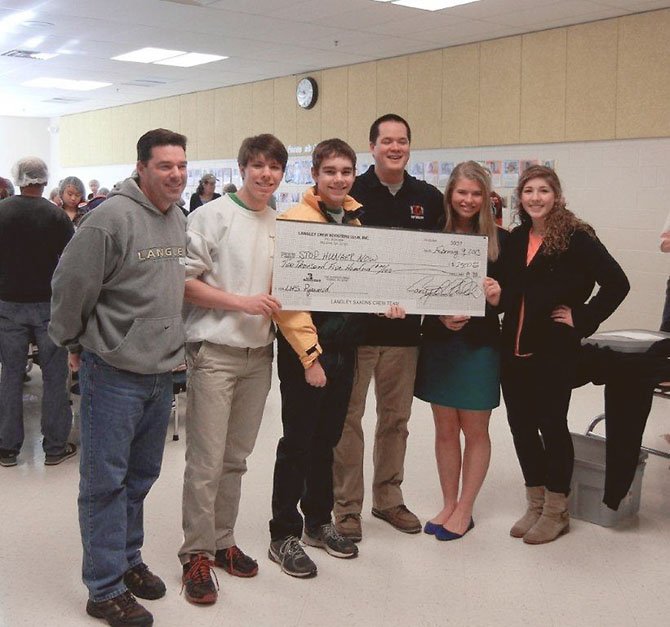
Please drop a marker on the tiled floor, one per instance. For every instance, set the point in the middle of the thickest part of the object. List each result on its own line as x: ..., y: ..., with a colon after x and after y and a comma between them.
x: 592, y: 576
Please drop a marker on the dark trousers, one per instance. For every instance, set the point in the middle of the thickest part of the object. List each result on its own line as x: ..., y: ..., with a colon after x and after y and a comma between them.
x: 665, y: 323
x: 537, y: 394
x: 629, y: 380
x: 313, y: 419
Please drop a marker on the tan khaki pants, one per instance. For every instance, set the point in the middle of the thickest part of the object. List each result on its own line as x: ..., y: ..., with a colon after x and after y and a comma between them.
x: 393, y: 368
x: 226, y: 392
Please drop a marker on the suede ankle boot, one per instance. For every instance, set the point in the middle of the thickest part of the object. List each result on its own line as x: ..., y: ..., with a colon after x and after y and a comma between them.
x: 535, y: 498
x: 554, y: 522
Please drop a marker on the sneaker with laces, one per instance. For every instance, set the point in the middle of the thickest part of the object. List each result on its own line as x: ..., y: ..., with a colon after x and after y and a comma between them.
x: 197, y: 581
x: 292, y: 557
x: 235, y: 562
x: 399, y: 517
x: 70, y: 450
x: 326, y: 537
x: 143, y: 583
x: 349, y: 526
x: 120, y: 611
x: 8, y: 458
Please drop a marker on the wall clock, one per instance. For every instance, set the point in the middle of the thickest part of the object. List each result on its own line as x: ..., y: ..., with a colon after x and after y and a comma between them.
x: 306, y: 93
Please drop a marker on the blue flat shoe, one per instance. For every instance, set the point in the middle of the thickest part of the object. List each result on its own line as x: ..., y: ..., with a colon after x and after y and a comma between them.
x: 445, y: 535
x: 431, y: 528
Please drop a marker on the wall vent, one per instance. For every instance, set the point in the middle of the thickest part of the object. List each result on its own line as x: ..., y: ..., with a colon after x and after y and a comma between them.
x: 20, y: 54
x: 145, y: 82
x: 193, y: 3
x: 64, y: 100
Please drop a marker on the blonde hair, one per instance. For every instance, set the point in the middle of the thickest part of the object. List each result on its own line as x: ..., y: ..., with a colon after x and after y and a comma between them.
x: 560, y: 223
x: 483, y: 222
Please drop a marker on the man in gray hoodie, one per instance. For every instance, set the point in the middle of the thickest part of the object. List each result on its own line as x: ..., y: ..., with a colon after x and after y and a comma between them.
x: 116, y: 305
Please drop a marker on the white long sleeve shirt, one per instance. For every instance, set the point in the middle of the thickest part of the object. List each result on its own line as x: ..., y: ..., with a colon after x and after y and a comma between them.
x: 230, y: 248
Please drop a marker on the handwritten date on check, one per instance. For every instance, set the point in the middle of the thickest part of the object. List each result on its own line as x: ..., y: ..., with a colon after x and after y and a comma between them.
x: 332, y: 267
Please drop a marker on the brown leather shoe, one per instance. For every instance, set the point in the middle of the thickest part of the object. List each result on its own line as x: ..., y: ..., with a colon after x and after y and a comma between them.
x: 143, y: 583
x: 400, y: 518
x: 349, y: 526
x: 120, y: 610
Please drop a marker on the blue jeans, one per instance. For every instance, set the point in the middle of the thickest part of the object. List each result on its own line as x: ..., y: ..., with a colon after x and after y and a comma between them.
x: 20, y: 323
x: 124, y: 419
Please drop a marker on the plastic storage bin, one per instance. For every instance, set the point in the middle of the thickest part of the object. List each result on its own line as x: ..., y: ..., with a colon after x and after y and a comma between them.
x: 588, y: 484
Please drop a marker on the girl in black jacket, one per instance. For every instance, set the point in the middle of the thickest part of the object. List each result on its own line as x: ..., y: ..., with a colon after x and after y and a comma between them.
x: 549, y: 269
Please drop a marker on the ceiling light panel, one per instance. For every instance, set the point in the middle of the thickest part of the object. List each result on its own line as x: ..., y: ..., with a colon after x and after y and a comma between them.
x: 44, y: 56
x: 64, y: 83
x: 148, y: 55
x: 430, y: 5
x: 191, y: 59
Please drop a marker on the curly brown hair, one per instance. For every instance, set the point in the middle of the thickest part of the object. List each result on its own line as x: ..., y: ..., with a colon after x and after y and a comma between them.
x: 560, y: 223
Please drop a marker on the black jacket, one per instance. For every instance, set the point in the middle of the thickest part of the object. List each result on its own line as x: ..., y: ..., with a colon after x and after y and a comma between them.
x: 418, y: 206
x: 567, y: 278
x: 196, y: 201
x: 33, y: 234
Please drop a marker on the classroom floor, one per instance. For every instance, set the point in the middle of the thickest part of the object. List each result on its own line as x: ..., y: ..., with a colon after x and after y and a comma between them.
x: 592, y: 576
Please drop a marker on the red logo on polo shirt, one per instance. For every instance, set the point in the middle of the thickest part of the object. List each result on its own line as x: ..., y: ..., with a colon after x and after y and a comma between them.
x: 416, y: 211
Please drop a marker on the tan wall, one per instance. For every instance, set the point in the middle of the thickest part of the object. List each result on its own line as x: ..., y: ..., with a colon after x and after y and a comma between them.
x: 597, y: 81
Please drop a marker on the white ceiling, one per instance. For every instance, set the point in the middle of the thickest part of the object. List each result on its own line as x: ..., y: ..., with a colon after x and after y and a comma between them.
x: 263, y: 38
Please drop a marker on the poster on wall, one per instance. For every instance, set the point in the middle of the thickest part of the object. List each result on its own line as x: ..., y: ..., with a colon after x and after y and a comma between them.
x: 446, y: 168
x: 510, y: 173
x: 432, y: 169
x: 431, y: 166
x: 417, y: 169
x: 527, y: 163
x: 495, y: 168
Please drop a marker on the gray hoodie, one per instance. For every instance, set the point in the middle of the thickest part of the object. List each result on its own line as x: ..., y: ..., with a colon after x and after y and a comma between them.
x: 118, y: 289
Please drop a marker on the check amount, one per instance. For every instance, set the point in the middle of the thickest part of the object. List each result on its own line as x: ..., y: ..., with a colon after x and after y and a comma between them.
x: 331, y: 267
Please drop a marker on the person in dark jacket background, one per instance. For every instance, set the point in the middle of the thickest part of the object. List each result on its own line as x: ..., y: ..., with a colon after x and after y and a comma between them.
x: 204, y: 192
x: 665, y: 248
x: 549, y: 269
x: 71, y: 192
x: 33, y: 234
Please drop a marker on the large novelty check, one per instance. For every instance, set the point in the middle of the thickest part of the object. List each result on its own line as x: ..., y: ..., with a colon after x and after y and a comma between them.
x: 330, y: 267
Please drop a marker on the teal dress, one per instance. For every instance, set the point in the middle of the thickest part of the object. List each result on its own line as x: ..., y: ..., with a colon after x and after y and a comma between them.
x: 461, y: 369
x: 454, y: 373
